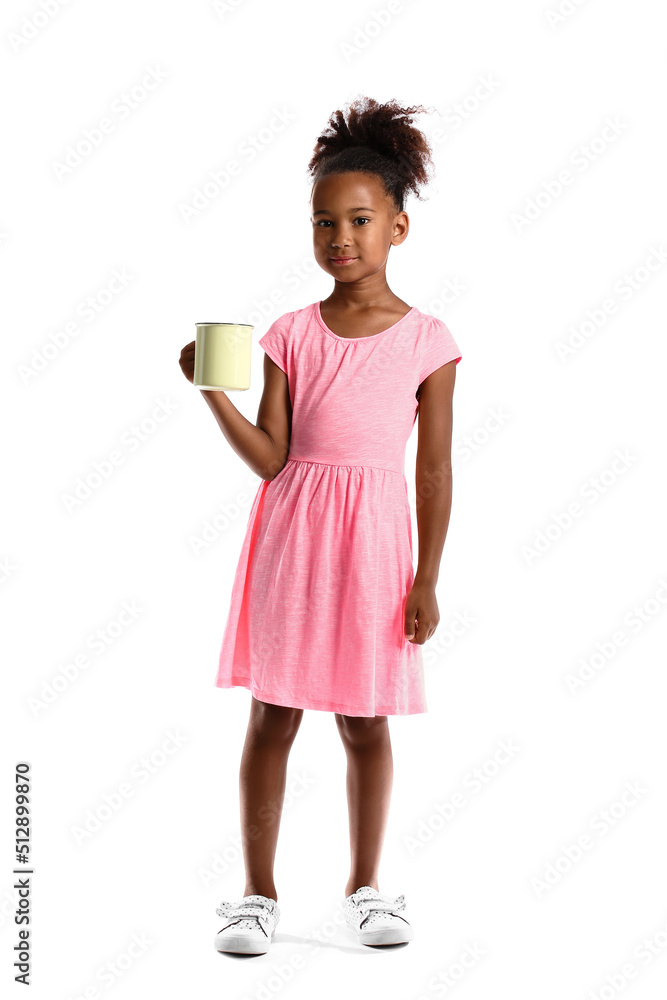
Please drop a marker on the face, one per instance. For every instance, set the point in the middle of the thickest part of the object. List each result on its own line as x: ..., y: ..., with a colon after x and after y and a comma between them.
x: 353, y: 217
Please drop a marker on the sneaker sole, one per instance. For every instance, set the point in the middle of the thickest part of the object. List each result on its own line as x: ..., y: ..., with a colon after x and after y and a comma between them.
x: 240, y: 945
x: 390, y: 935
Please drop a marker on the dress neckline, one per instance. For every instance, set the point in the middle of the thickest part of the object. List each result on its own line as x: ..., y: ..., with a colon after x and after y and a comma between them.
x: 356, y: 340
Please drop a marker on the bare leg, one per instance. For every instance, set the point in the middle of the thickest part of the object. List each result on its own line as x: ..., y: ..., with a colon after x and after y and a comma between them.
x: 370, y: 773
x: 271, y: 732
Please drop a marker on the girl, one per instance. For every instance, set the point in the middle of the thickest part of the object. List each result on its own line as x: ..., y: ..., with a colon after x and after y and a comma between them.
x: 327, y: 612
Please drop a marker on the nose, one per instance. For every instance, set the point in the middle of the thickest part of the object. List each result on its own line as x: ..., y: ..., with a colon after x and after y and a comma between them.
x: 342, y: 241
x: 338, y: 238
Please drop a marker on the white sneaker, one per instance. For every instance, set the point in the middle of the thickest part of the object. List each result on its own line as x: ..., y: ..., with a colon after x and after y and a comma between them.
x: 250, y: 924
x: 375, y: 917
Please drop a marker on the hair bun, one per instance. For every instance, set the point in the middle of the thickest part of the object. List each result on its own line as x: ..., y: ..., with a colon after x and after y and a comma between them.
x: 368, y: 134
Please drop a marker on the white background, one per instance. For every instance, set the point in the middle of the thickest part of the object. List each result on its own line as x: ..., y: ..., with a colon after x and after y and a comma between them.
x: 158, y: 865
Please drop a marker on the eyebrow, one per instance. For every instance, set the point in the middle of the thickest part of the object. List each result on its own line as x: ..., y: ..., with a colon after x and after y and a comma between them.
x: 325, y: 211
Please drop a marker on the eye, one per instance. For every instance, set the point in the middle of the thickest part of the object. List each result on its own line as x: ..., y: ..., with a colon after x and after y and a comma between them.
x: 321, y: 223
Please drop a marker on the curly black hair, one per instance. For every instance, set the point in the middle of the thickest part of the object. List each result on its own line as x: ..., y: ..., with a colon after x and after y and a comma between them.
x: 379, y: 139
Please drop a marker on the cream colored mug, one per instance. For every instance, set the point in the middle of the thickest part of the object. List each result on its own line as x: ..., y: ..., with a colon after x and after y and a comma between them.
x: 222, y: 356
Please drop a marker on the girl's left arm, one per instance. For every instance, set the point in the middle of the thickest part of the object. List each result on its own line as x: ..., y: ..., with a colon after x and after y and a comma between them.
x: 434, y: 498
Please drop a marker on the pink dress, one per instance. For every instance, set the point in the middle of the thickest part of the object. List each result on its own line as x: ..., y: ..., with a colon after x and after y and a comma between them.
x: 317, y: 603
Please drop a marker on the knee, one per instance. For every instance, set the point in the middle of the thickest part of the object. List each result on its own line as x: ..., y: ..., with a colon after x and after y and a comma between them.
x: 359, y: 732
x: 275, y: 723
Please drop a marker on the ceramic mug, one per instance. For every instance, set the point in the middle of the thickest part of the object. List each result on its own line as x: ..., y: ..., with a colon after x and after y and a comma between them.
x: 222, y: 356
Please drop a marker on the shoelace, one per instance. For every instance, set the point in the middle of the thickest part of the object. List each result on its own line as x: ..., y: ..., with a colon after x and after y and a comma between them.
x: 386, y: 904
x: 245, y: 911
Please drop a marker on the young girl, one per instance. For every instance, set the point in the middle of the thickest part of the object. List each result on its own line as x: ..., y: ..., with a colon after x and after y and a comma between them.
x: 327, y: 612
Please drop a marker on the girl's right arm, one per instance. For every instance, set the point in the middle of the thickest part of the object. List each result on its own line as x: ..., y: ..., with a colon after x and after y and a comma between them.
x: 263, y: 446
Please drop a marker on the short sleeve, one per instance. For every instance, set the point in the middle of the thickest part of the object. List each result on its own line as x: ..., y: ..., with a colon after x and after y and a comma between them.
x: 276, y: 339
x: 438, y: 347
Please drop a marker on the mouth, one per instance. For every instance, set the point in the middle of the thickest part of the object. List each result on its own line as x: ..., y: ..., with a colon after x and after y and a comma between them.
x: 342, y: 260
